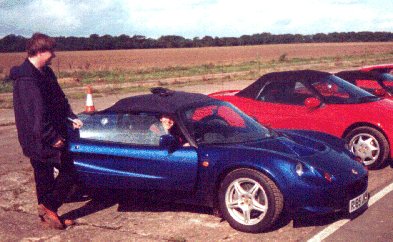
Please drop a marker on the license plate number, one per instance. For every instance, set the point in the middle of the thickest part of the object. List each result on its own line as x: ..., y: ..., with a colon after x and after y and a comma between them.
x: 358, y: 202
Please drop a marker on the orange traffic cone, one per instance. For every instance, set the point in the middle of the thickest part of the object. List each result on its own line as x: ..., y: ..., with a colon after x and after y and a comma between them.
x: 89, y: 108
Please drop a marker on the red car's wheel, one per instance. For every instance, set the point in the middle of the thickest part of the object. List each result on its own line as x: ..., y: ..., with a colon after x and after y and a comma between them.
x: 370, y: 145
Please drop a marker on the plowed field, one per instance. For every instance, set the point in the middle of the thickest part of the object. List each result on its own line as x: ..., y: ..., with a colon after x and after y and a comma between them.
x: 161, y: 58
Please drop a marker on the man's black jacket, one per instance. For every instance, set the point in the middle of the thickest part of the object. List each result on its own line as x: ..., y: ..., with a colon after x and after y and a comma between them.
x: 41, y: 111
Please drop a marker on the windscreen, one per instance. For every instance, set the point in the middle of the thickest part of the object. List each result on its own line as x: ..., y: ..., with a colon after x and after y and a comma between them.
x: 222, y: 123
x: 335, y: 90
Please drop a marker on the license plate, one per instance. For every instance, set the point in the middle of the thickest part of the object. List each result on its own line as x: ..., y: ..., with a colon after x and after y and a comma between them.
x: 358, y: 202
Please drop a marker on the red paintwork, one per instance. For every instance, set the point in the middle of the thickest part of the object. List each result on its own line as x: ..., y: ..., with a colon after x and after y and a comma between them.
x: 334, y: 119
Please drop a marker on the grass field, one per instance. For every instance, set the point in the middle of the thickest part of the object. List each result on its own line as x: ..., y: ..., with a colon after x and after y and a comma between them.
x: 128, y: 70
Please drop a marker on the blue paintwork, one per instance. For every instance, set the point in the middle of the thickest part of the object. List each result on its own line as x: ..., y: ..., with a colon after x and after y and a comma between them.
x: 115, y: 165
x: 119, y: 166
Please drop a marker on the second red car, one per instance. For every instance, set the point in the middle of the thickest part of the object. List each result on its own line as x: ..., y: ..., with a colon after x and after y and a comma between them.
x: 376, y: 79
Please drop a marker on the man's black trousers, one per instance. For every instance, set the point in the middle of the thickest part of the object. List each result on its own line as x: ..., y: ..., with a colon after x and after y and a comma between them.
x: 51, y: 191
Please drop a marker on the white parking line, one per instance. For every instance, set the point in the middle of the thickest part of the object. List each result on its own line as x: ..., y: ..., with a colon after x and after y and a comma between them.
x: 335, y: 226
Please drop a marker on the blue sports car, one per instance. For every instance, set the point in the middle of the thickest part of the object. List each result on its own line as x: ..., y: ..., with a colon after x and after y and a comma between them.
x: 215, y: 155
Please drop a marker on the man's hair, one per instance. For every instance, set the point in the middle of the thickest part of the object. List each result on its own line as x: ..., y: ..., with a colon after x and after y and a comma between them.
x: 39, y: 43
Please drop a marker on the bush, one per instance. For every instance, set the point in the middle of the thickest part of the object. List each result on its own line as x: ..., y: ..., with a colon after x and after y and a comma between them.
x: 283, y: 57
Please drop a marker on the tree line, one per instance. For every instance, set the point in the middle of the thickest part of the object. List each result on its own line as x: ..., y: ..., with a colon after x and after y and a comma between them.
x: 16, y: 43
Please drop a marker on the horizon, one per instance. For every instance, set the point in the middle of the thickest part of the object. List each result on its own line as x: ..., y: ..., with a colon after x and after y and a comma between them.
x: 88, y: 36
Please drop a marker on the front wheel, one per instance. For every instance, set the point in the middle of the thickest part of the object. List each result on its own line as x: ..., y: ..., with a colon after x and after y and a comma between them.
x: 249, y: 200
x: 370, y: 145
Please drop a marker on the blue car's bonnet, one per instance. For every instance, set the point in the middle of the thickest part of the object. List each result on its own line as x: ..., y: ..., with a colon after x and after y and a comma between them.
x: 315, y: 153
x: 290, y: 147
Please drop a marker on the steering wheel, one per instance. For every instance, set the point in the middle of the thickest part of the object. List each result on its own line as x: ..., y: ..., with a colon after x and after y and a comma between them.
x: 214, y: 120
x: 211, y: 126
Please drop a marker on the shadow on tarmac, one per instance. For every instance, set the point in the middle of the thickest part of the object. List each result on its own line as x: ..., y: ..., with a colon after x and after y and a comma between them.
x: 148, y: 201
x: 129, y: 201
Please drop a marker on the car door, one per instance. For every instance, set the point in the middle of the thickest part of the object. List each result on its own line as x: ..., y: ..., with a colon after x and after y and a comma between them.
x: 119, y: 151
x: 281, y: 105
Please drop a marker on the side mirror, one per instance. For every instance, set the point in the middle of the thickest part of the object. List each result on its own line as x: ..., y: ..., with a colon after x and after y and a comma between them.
x: 380, y: 92
x: 312, y: 102
x: 168, y: 142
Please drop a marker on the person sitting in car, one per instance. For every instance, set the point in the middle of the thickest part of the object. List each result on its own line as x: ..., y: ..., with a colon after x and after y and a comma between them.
x: 167, y: 126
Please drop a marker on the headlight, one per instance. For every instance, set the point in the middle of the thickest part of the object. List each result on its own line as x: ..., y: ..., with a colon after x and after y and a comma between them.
x: 313, y: 175
x: 299, y: 169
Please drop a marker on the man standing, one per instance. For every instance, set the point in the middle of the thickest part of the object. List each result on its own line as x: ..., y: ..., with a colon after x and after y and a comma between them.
x: 41, y: 115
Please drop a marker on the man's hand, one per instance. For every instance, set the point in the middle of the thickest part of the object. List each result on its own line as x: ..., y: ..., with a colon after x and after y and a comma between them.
x: 76, y: 123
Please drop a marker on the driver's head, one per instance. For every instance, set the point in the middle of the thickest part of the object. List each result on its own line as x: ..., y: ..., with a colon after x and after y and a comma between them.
x: 167, y: 122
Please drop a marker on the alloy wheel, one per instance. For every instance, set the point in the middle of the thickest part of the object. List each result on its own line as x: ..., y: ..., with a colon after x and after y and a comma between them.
x: 246, y: 201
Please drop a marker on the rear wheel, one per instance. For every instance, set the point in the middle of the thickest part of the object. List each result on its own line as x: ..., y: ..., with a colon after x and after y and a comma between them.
x: 370, y: 145
x: 249, y: 200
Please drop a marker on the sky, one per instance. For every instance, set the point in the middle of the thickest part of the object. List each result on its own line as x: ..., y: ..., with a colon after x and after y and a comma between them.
x: 192, y: 18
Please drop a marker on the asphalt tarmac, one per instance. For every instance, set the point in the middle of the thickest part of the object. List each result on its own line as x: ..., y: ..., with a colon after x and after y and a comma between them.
x: 374, y: 224
x: 135, y: 218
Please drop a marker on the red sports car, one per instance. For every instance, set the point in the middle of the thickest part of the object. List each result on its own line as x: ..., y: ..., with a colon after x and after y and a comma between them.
x: 321, y: 101
x: 376, y: 79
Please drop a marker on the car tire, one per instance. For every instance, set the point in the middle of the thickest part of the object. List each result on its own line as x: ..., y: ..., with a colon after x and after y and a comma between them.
x: 249, y: 200
x: 370, y: 145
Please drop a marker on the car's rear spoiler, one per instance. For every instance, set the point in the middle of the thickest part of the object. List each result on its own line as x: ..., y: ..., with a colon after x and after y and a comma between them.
x: 385, y: 67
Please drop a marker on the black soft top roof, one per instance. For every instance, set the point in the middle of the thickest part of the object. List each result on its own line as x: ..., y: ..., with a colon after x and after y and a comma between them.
x: 302, y: 75
x: 161, y: 101
x: 352, y: 76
